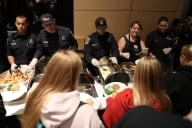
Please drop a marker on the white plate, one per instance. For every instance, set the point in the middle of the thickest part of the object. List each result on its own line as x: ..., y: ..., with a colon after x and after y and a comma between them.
x: 14, y: 95
x: 121, y: 85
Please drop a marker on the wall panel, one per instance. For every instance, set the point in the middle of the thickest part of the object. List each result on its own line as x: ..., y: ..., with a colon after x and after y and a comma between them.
x: 85, y: 22
x: 119, y: 13
x: 93, y: 5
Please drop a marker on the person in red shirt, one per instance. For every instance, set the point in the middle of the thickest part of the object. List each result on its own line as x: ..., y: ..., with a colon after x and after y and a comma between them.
x: 147, y: 90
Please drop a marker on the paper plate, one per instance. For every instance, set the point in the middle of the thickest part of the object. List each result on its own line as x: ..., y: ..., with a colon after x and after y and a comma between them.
x: 110, y: 88
x: 13, y: 95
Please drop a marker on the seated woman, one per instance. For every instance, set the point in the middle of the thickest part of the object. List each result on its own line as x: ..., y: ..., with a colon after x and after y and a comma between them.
x: 146, y: 91
x: 55, y: 101
x: 131, y: 45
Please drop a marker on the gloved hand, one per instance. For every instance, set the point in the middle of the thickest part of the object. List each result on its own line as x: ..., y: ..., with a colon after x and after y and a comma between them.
x: 33, y: 63
x: 100, y: 103
x: 95, y: 62
x: 113, y: 60
x: 26, y: 69
x: 13, y: 67
x: 167, y: 50
x: 126, y: 55
x: 30, y: 67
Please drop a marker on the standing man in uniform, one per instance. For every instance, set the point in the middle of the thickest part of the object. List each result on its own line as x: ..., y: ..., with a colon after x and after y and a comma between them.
x: 53, y: 38
x: 99, y: 44
x: 21, y: 45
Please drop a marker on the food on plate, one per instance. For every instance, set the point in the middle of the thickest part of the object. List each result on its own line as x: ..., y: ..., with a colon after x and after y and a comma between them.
x: 89, y: 101
x: 113, y: 94
x: 15, y: 87
x: 14, y: 77
x: 8, y: 87
x: 115, y: 87
x: 12, y: 87
x: 111, y: 89
x: 2, y: 86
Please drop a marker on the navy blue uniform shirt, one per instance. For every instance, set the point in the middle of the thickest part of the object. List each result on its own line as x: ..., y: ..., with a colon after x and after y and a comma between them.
x: 49, y: 43
x: 21, y: 47
x: 98, y: 46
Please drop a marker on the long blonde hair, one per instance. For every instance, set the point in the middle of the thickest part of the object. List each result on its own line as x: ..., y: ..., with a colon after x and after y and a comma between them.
x: 61, y: 75
x: 147, y: 83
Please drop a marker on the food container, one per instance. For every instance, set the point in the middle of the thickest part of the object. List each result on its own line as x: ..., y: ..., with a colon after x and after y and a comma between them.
x: 86, y: 84
x: 36, y: 78
x: 113, y: 73
x: 129, y: 68
x: 118, y: 77
x: 17, y: 77
x: 41, y: 64
x: 104, y: 61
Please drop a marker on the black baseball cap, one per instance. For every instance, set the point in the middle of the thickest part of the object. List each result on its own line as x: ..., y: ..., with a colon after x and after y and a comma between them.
x: 100, y: 23
x: 46, y: 19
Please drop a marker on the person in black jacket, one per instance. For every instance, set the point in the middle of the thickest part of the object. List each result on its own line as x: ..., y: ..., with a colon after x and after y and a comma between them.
x: 53, y: 38
x: 176, y: 30
x: 21, y: 45
x: 50, y: 39
x: 99, y: 44
x: 160, y: 43
x: 4, y: 64
x: 2, y: 113
x: 2, y: 109
x: 147, y: 117
x: 178, y: 85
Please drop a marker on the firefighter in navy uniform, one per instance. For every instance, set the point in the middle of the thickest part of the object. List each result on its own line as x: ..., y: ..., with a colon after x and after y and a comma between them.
x: 21, y: 45
x: 53, y: 38
x: 99, y: 44
x: 161, y: 43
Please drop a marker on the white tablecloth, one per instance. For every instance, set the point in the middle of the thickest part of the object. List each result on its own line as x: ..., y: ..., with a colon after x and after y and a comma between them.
x: 15, y: 108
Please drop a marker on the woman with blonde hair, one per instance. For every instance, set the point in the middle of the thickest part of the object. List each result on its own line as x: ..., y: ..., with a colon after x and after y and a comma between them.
x: 146, y: 91
x: 55, y: 101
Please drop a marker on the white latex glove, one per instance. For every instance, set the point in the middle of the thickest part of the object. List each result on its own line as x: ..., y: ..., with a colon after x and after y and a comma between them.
x: 167, y: 50
x: 33, y: 63
x: 126, y: 55
x: 13, y: 66
x: 114, y: 60
x: 100, y: 103
x: 29, y: 68
x: 26, y: 69
x: 95, y: 62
